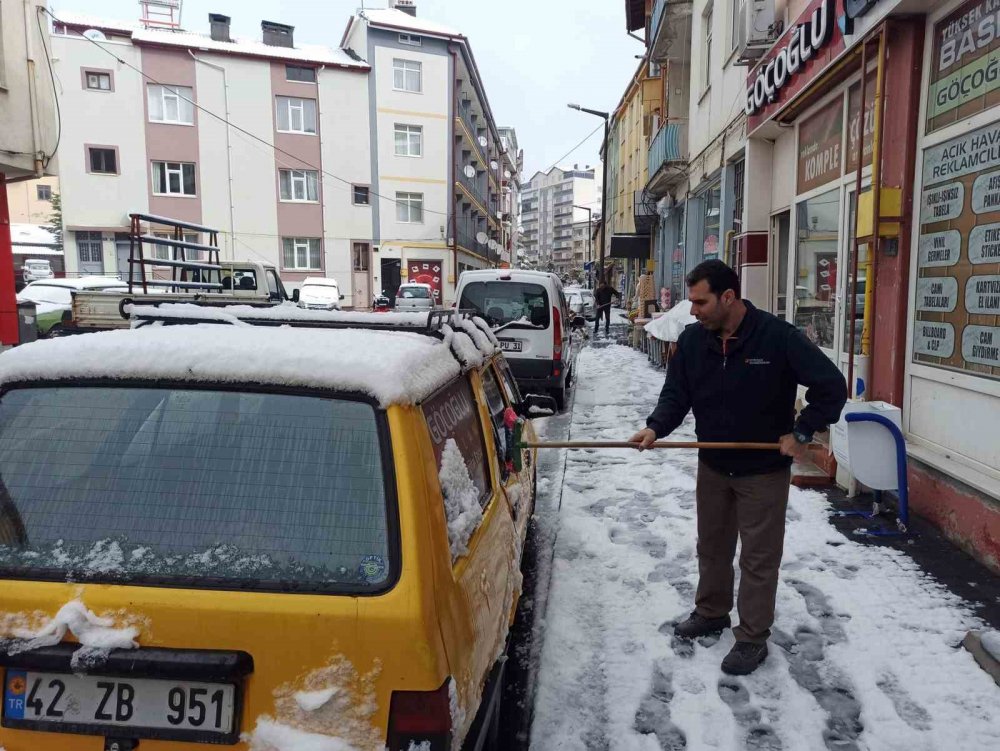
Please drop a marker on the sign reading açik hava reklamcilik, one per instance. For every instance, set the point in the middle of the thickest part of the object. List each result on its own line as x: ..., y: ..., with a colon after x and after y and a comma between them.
x: 805, y: 40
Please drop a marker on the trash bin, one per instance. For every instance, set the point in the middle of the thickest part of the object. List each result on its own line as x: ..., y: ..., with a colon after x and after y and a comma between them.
x: 27, y: 324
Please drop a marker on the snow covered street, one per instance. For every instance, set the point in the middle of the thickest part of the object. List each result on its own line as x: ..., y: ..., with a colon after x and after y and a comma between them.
x: 866, y: 649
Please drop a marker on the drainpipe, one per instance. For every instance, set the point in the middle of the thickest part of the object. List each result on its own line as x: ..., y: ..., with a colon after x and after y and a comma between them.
x: 229, y: 149
x: 853, y: 276
x: 878, y: 141
x: 451, y: 185
x: 36, y: 138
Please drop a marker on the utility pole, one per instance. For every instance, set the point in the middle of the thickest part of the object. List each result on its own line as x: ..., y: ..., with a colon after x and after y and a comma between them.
x: 604, y: 186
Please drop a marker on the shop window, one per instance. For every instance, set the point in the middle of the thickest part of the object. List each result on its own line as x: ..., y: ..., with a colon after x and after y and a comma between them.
x: 712, y: 201
x: 815, y: 291
x: 860, y: 285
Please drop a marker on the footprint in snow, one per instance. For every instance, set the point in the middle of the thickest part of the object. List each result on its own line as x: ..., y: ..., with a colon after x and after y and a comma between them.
x: 906, y: 707
x: 653, y: 715
x: 760, y: 736
x: 819, y: 607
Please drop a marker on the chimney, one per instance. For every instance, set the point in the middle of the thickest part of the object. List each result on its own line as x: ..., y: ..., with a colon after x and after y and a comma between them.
x: 219, y: 24
x: 277, y: 34
x: 407, y: 6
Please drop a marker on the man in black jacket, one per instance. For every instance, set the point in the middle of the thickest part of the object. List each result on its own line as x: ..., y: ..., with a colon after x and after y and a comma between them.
x: 602, y: 298
x: 739, y: 369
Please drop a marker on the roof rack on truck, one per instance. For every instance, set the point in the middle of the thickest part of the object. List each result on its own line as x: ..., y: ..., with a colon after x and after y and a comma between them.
x: 186, y: 274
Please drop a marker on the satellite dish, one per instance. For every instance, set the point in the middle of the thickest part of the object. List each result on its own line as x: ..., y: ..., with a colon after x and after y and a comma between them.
x: 95, y: 35
x: 494, y: 166
x: 470, y: 171
x: 481, y: 238
x: 506, y: 174
x: 482, y: 141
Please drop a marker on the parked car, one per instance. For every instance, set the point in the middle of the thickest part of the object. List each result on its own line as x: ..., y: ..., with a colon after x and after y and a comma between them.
x: 392, y: 588
x: 53, y: 299
x: 36, y: 269
x: 318, y: 293
x: 414, y: 296
x: 581, y: 302
x: 531, y: 319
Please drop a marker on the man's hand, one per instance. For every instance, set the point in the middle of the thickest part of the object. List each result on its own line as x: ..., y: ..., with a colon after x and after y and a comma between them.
x: 644, y: 439
x: 791, y: 447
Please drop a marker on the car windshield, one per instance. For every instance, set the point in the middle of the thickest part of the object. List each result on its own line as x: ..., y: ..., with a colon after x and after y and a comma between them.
x: 195, y: 487
x: 414, y: 293
x: 45, y: 293
x: 513, y: 304
x: 319, y: 292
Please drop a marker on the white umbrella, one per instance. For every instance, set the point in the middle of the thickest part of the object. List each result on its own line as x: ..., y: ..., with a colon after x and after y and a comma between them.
x: 668, y: 327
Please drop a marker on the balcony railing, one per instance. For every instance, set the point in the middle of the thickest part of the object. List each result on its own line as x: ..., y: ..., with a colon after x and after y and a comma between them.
x: 670, y: 31
x: 669, y: 147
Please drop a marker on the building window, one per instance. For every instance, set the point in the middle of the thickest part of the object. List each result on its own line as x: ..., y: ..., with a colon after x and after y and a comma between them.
x: 409, y: 140
x: 407, y: 75
x: 173, y: 179
x: 169, y: 253
x: 298, y: 185
x: 43, y: 192
x: 173, y: 105
x: 739, y: 10
x: 296, y: 115
x: 706, y: 48
x: 300, y: 73
x: 815, y: 293
x: 301, y: 253
x: 359, y: 255
x: 712, y: 200
x: 410, y: 207
x: 410, y: 39
x: 97, y: 80
x: 102, y: 160
x: 360, y: 195
x: 89, y: 247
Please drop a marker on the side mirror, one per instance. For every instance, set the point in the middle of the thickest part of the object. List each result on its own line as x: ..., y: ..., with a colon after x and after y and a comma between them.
x: 537, y: 405
x: 341, y: 297
x: 295, y: 295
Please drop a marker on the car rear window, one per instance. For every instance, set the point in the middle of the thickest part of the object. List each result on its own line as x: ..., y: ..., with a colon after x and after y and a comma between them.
x: 501, y: 303
x: 414, y: 293
x: 192, y: 487
x: 44, y: 293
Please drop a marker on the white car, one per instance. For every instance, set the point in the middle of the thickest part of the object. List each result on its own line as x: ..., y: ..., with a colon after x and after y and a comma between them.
x: 529, y: 314
x: 581, y: 302
x: 318, y: 293
x: 36, y: 269
x: 53, y: 299
x: 414, y: 296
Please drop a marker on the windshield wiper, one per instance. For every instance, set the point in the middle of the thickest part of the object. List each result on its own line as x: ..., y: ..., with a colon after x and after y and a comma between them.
x: 519, y: 324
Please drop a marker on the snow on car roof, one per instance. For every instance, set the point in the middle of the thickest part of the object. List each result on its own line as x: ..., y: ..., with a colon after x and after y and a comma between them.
x: 393, y: 367
x: 82, y: 282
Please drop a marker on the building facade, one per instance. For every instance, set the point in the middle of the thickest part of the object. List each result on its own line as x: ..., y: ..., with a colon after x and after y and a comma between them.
x: 30, y: 201
x: 510, y: 194
x: 438, y: 163
x: 551, y: 203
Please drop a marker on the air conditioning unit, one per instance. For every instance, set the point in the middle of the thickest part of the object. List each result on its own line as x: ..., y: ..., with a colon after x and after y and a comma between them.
x: 756, y: 27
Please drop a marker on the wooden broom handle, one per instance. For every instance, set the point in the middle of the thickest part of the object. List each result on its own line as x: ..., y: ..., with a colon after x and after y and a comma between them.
x: 657, y: 445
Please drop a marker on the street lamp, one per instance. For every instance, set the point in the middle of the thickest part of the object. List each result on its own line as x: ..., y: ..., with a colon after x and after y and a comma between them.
x: 590, y: 234
x: 604, y: 186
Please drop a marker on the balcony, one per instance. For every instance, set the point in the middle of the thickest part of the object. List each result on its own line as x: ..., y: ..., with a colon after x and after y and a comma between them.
x: 670, y: 31
x: 668, y: 157
x: 644, y: 212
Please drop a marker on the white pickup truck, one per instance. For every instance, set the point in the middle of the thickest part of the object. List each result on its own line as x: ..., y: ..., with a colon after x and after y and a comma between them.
x: 243, y: 282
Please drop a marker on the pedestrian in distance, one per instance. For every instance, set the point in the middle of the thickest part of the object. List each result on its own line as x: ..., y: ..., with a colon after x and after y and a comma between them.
x: 738, y: 369
x: 602, y: 297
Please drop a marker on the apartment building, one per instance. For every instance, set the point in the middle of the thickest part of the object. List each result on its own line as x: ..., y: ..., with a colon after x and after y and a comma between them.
x: 438, y: 163
x: 510, y: 199
x: 550, y: 205
x: 30, y: 201
x: 265, y: 141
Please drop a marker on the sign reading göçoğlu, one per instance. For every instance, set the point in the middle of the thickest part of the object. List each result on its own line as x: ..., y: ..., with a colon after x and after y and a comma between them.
x: 801, y: 54
x: 965, y: 65
x: 957, y: 295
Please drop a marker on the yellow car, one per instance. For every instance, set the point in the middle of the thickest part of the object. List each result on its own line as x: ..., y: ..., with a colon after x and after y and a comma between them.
x: 263, y: 528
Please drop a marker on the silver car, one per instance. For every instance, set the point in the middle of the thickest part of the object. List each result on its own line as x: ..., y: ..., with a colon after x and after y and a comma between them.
x: 414, y: 297
x: 581, y: 302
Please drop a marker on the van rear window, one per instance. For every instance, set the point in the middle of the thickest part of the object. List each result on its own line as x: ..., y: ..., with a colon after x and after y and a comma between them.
x: 500, y: 303
x: 192, y: 488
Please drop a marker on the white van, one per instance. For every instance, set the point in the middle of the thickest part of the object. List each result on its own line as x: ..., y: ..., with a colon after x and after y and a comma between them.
x: 318, y: 293
x: 528, y: 312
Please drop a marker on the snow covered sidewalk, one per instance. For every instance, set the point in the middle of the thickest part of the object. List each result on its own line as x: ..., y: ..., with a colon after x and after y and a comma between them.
x: 865, y: 650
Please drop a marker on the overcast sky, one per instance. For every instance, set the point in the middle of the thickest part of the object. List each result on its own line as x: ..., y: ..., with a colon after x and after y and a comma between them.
x: 534, y: 55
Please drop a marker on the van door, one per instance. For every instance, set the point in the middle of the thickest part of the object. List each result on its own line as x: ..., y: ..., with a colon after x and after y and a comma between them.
x: 475, y: 590
x: 501, y: 395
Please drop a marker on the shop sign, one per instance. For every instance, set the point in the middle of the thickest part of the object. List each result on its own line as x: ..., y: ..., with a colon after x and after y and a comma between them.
x: 984, y: 244
x: 820, y: 139
x: 937, y: 294
x: 981, y: 345
x: 960, y: 219
x: 938, y: 249
x: 426, y: 272
x: 982, y: 295
x: 792, y: 65
x: 934, y: 339
x: 965, y: 67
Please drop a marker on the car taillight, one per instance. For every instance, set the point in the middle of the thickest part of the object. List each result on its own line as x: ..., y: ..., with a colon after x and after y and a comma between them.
x: 417, y: 717
x: 556, y: 334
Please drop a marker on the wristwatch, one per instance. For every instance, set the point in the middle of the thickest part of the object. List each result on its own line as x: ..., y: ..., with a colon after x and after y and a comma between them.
x: 801, y: 437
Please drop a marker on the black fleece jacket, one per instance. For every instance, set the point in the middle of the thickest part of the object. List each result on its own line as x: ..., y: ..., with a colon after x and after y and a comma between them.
x: 745, y: 390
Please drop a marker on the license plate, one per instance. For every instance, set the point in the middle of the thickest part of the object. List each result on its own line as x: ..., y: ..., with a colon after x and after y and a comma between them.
x: 510, y: 345
x: 141, y: 707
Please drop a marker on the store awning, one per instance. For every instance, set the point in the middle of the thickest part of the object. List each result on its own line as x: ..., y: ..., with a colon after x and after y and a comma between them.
x: 630, y: 246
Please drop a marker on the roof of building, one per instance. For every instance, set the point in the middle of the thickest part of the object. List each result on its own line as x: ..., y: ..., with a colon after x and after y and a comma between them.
x: 32, y: 234
x: 311, y: 53
x: 397, y: 19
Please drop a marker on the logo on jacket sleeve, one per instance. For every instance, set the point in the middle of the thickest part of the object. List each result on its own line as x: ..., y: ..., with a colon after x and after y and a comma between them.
x: 756, y: 361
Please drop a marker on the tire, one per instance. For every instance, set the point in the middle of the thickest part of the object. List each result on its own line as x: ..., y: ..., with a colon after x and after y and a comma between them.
x: 560, y: 396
